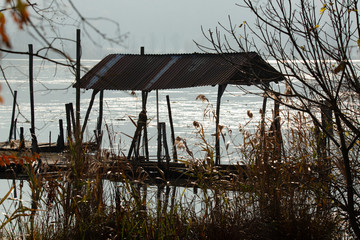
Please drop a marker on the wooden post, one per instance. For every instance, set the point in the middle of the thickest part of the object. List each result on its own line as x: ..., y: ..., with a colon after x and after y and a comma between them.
x: 68, y: 121
x: 34, y: 144
x: 167, y: 155
x: 144, y: 95
x: 221, y: 90
x: 60, y: 141
x: 159, y: 148
x: 101, y: 107
x: 133, y: 147
x: 13, y: 116
x: 50, y: 139
x: 158, y: 126
x: 15, y: 127
x: 22, y: 139
x: 88, y: 112
x: 78, y: 57
x: 276, y: 132
x: 31, y: 86
x: 71, y: 111
x: 171, y: 129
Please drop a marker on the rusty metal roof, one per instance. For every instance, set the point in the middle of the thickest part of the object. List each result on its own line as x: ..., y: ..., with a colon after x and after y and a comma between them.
x: 150, y: 72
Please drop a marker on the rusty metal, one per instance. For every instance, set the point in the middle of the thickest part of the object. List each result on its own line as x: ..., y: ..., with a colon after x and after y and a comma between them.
x: 152, y: 72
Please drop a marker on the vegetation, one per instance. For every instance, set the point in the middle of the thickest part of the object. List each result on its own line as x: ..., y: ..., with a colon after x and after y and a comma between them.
x: 301, y: 183
x: 266, y: 200
x: 315, y: 45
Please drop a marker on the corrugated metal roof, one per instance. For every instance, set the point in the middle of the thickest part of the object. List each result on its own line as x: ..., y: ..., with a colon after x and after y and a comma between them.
x: 150, y: 72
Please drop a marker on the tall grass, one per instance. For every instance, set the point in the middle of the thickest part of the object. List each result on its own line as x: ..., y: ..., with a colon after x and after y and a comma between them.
x: 278, y: 195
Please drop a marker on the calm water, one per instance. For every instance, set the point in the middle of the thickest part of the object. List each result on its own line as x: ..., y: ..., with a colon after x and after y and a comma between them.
x: 53, y: 89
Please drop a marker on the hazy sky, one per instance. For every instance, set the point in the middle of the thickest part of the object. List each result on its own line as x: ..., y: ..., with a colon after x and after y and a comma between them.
x: 163, y: 26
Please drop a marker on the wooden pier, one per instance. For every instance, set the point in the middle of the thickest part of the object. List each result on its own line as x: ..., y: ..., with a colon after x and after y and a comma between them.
x: 114, y: 168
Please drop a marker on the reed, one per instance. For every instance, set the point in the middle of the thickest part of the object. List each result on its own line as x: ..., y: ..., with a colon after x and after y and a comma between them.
x: 280, y: 195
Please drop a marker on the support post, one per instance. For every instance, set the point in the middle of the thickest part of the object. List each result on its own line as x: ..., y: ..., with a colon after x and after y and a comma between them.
x: 262, y: 127
x: 13, y: 116
x: 99, y: 121
x: 88, y: 112
x: 68, y: 121
x: 72, y: 116
x: 171, y: 129
x: 133, y: 147
x: 78, y: 57
x: 15, y: 127
x: 34, y: 144
x: 22, y: 139
x: 275, y: 131
x: 221, y: 90
x: 60, y: 141
x: 144, y: 95
x: 159, y: 144
x: 167, y: 155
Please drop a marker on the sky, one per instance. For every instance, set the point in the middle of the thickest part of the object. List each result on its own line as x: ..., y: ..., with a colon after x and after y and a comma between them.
x: 161, y: 26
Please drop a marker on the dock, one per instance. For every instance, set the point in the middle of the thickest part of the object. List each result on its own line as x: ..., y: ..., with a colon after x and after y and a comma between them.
x: 115, y: 168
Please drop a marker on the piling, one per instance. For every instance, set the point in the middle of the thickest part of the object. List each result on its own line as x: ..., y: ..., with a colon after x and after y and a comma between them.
x: 13, y: 117
x: 145, y: 138
x: 68, y: 121
x: 221, y: 90
x: 60, y: 141
x: 171, y: 129
x: 159, y: 148
x: 71, y: 111
x: 88, y: 112
x: 34, y: 143
x: 99, y: 120
x: 78, y: 57
x: 167, y: 155
x: 22, y: 140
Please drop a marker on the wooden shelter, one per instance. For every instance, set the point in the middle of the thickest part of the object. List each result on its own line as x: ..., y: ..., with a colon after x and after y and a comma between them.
x: 170, y: 71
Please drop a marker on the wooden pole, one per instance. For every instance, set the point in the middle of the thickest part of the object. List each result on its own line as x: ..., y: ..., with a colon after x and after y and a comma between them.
x: 60, y: 141
x: 78, y: 57
x: 135, y: 142
x: 98, y: 132
x: 171, y: 129
x: 101, y: 110
x: 22, y: 139
x: 34, y: 143
x: 13, y: 116
x: 71, y: 111
x: 15, y: 126
x: 31, y: 80
x: 221, y: 90
x: 276, y: 131
x: 159, y: 144
x: 144, y: 95
x: 68, y: 121
x: 262, y: 127
x: 158, y: 126
x: 88, y: 112
x: 163, y: 130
